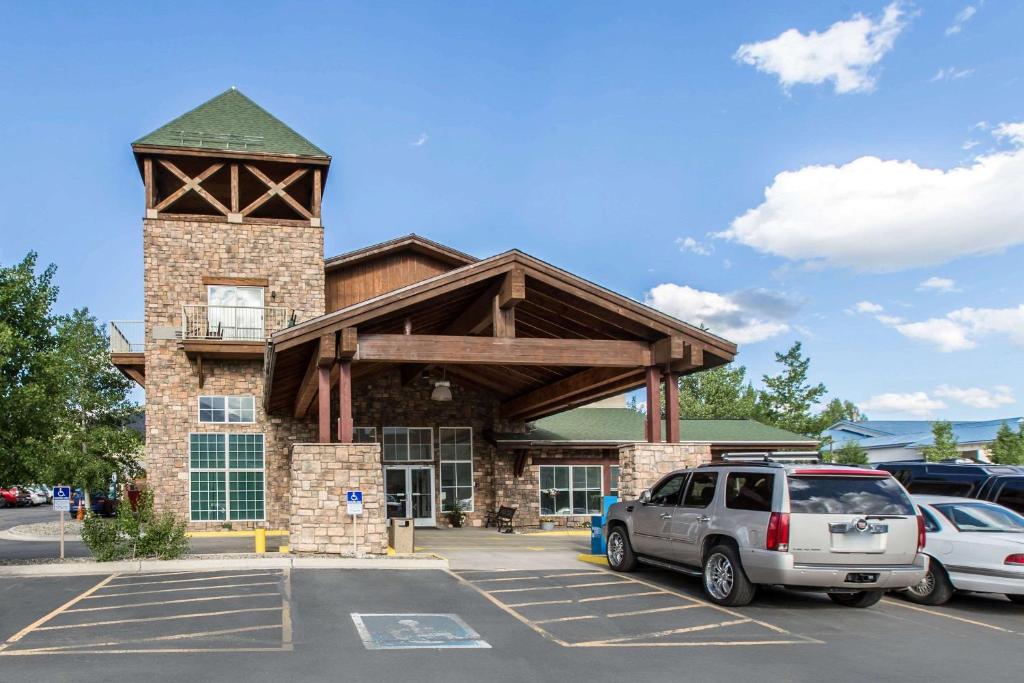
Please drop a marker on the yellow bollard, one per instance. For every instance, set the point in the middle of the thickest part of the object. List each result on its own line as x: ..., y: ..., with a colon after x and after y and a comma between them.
x: 261, y: 540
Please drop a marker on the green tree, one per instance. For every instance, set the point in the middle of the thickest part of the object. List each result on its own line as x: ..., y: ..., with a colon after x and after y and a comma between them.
x: 788, y: 397
x: 28, y: 378
x: 717, y: 394
x: 1008, y: 447
x: 95, y: 440
x: 850, y: 453
x: 944, y: 443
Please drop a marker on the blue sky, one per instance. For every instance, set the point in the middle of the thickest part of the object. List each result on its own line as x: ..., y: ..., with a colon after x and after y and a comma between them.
x: 779, y: 171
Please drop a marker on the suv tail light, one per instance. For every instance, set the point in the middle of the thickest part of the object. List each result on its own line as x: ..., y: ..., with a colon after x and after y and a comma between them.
x: 1017, y: 558
x: 777, y: 537
x: 922, y: 537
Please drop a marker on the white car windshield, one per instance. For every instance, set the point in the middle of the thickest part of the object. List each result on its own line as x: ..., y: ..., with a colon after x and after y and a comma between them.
x: 981, y: 517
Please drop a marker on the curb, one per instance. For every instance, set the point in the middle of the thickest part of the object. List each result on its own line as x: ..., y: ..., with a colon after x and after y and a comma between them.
x: 593, y: 559
x: 156, y: 566
x: 8, y: 535
x: 558, y: 532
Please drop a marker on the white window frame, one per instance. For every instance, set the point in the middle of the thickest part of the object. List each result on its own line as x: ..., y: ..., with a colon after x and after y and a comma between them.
x: 227, y: 410
x: 373, y: 429
x: 454, y: 462
x: 237, y: 322
x: 618, y: 481
x: 408, y: 432
x: 227, y: 470
x: 570, y: 489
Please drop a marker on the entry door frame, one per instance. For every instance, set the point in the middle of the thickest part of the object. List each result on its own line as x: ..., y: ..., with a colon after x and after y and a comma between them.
x: 407, y: 470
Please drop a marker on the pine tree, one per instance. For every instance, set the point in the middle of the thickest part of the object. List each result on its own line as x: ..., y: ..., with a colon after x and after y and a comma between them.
x: 787, y: 398
x: 1008, y: 447
x: 721, y: 393
x: 850, y: 453
x: 944, y: 443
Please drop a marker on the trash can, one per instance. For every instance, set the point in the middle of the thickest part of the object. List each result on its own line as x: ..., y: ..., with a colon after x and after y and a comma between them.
x: 597, y: 542
x: 401, y: 536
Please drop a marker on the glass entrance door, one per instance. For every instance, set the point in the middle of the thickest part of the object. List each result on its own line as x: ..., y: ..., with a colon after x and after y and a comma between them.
x: 410, y: 493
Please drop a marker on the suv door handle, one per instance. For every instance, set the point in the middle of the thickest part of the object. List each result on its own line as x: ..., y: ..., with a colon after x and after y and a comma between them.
x: 703, y: 518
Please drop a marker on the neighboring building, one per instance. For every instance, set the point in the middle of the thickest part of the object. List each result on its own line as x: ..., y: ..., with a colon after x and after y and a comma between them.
x: 277, y: 381
x: 902, y: 440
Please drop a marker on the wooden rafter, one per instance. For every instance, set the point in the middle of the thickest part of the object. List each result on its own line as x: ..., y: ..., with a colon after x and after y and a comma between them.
x: 562, y: 392
x: 191, y: 185
x: 276, y: 190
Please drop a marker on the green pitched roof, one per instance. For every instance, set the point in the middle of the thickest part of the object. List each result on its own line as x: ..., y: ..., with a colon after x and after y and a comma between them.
x: 624, y: 425
x: 231, y: 121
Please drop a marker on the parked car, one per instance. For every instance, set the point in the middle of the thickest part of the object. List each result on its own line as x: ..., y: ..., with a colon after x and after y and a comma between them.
x: 8, y: 498
x: 974, y: 546
x: 36, y: 495
x: 23, y: 497
x: 99, y: 503
x: 1003, y: 484
x: 850, y: 532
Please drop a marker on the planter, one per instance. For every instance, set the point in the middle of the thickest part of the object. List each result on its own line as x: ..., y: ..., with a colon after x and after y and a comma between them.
x: 547, y: 526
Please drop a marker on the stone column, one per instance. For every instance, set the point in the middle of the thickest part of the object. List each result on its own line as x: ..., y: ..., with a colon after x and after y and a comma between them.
x: 643, y: 464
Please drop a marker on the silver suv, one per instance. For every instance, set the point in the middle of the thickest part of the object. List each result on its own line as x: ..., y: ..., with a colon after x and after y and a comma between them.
x: 851, y: 532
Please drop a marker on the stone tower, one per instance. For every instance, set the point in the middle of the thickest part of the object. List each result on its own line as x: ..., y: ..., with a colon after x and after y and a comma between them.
x: 233, y: 250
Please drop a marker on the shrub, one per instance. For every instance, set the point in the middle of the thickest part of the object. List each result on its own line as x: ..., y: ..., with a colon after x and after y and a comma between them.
x: 135, y: 534
x: 851, y: 453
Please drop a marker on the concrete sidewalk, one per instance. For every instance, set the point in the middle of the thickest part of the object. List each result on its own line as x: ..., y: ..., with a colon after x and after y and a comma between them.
x: 474, y: 548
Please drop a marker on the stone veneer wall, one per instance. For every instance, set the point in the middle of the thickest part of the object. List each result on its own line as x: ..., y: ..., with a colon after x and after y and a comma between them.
x: 320, y: 476
x: 178, y: 252
x: 382, y: 401
x: 643, y: 464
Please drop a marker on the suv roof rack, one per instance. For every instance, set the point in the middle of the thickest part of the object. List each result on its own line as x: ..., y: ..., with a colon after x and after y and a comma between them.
x: 776, y: 457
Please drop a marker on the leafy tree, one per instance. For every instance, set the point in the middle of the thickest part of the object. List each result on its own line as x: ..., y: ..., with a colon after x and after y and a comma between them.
x: 717, y: 394
x: 850, y: 453
x: 95, y: 440
x: 944, y: 446
x: 787, y: 398
x: 28, y: 378
x: 1008, y: 447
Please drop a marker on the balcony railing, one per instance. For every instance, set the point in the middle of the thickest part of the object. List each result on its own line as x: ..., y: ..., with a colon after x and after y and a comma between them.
x: 127, y: 336
x: 233, y: 323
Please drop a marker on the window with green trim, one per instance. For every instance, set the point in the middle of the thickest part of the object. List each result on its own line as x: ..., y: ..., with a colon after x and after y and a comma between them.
x: 226, y: 476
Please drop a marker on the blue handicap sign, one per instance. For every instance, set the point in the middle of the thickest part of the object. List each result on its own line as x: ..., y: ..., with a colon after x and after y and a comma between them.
x: 62, y: 492
x: 354, y: 497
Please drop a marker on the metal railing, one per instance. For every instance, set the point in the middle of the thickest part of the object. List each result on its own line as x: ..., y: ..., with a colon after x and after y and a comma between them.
x: 233, y: 323
x: 127, y: 336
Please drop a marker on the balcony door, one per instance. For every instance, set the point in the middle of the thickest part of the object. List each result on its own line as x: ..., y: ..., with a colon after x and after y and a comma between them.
x: 235, y: 313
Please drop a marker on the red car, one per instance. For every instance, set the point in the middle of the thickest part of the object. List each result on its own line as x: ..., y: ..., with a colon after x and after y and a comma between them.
x: 15, y: 497
x: 8, y: 498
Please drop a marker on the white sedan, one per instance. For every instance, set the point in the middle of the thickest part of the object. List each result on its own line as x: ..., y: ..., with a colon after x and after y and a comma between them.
x: 974, y: 546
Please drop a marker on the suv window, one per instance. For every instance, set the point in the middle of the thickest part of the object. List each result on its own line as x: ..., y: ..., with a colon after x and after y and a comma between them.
x: 701, y: 490
x: 667, y: 492
x: 749, y: 491
x: 942, y: 488
x: 848, y: 495
x: 1011, y: 495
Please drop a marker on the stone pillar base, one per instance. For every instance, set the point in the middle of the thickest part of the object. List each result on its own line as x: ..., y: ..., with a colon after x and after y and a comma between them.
x: 321, y: 475
x: 643, y: 464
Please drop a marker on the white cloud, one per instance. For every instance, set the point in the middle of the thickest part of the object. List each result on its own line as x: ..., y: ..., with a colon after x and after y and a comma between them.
x: 914, y: 404
x: 886, y: 215
x: 420, y: 141
x: 868, y: 307
x: 962, y: 17
x: 960, y: 330
x: 950, y: 74
x: 844, y: 54
x: 691, y: 245
x: 938, y: 284
x: 977, y: 397
x: 946, y: 335
x: 969, y: 145
x: 744, y: 317
x: 1010, y: 132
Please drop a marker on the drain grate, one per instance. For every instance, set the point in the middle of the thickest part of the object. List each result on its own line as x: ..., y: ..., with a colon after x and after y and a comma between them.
x: 415, y: 631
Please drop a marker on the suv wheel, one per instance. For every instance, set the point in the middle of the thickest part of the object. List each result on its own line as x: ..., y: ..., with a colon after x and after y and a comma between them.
x: 725, y: 582
x: 620, y: 553
x: 934, y: 589
x: 858, y: 599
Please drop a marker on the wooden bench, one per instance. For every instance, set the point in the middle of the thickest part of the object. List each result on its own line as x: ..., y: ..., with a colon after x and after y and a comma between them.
x: 501, y: 518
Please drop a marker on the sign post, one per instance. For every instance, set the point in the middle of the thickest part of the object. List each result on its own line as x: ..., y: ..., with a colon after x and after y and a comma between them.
x: 62, y: 504
x: 354, y: 505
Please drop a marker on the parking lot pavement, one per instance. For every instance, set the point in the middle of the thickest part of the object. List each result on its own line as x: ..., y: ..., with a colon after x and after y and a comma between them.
x: 227, y: 611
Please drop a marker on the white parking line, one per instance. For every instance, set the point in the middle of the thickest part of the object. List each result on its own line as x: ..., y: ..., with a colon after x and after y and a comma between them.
x: 540, y: 602
x: 170, y: 602
x: 205, y: 578
x: 944, y: 615
x: 509, y: 578
x: 638, y: 612
x: 626, y: 595
x: 179, y: 590
x: 561, y: 619
x: 194, y: 615
x: 669, y: 632
x: 601, y: 583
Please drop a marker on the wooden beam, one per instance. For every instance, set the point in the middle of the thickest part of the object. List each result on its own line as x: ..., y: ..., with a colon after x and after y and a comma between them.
x: 561, y: 393
x: 276, y: 190
x: 513, y: 289
x: 147, y: 175
x: 235, y: 197
x: 668, y: 349
x: 400, y: 348
x: 345, y: 423
x: 671, y: 381
x: 236, y: 281
x: 327, y: 351
x: 317, y: 191
x: 349, y: 345
x: 653, y: 422
x: 324, y: 395
x: 503, y: 319
x: 308, y: 387
x: 230, y: 154
x: 476, y: 317
x: 192, y: 184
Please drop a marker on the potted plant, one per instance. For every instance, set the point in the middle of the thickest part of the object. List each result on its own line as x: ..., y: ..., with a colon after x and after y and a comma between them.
x: 547, y: 523
x: 456, y: 514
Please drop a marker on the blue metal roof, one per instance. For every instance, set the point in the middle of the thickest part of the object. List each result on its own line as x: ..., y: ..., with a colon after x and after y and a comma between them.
x: 918, y: 433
